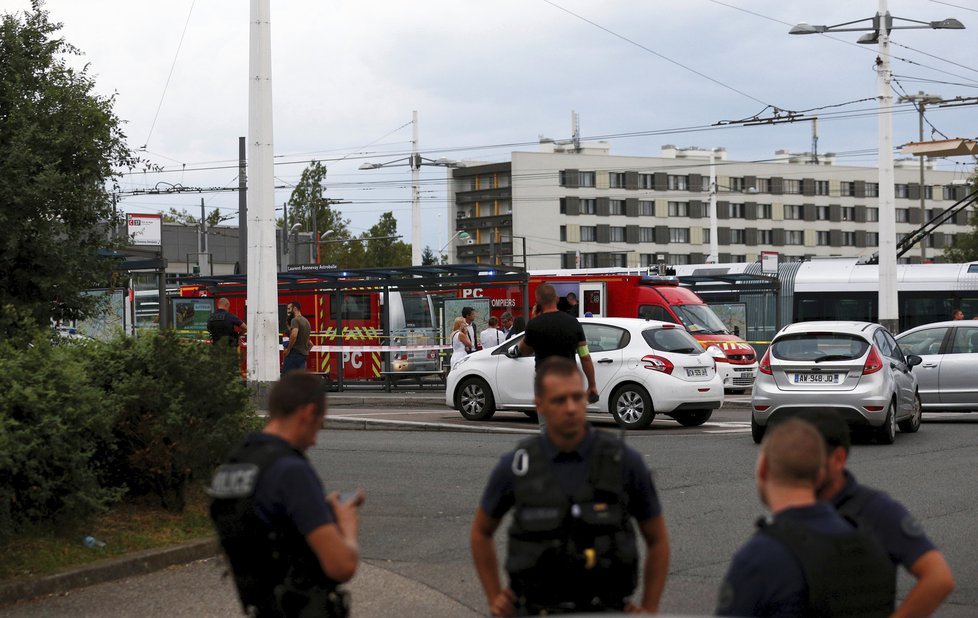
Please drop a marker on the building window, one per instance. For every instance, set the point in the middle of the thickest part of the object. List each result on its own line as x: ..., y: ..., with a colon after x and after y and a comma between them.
x: 765, y: 237
x: 563, y: 233
x: 736, y: 211
x: 679, y: 259
x: 872, y: 239
x: 646, y: 181
x: 616, y: 234
x: 563, y: 207
x: 705, y: 183
x: 872, y: 189
x: 763, y: 185
x: 794, y: 237
x: 589, y: 206
x: 646, y: 234
x: 902, y: 191
x: 792, y: 186
x: 900, y: 237
x: 822, y: 238
x: 738, y: 259
x: 736, y: 237
x: 763, y: 211
x: 677, y: 183
x: 679, y: 234
x: 736, y: 184
x: 616, y: 180
x: 902, y: 215
x: 646, y: 208
x: 847, y: 189
x: 821, y: 187
x: 822, y: 213
x: 706, y: 235
x: 872, y: 214
x: 928, y: 192
x: 649, y: 259
x: 589, y: 260
x: 948, y: 192
x: 793, y: 211
x: 589, y: 233
x: 678, y: 209
x: 848, y: 239
x: 848, y: 213
x: 616, y: 207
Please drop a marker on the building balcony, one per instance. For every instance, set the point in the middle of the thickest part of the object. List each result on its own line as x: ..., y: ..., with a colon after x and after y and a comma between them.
x: 470, y: 224
x: 483, y: 195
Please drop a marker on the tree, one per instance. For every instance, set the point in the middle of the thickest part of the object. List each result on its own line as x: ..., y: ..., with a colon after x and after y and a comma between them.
x: 385, y: 250
x: 60, y: 144
x: 183, y: 217
x: 428, y: 257
x: 307, y: 198
x: 965, y: 247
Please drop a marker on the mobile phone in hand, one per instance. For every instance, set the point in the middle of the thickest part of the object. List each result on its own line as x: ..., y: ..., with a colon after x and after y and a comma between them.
x: 347, y: 496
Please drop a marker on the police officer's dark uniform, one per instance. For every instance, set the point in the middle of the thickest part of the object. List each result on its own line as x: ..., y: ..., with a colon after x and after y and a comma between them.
x: 808, y: 561
x: 571, y: 545
x: 223, y: 325
x: 266, y: 499
x: 894, y: 527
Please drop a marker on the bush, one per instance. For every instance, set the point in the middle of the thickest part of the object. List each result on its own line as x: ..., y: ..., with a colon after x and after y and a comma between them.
x: 181, y: 408
x: 52, y: 419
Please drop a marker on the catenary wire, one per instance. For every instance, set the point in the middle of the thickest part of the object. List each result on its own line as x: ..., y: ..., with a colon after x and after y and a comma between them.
x: 172, y: 66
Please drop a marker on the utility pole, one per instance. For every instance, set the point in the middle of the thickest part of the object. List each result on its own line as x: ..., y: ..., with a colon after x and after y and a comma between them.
x: 889, y: 310
x: 921, y: 100
x: 714, y: 241
x: 242, y: 205
x: 415, y: 193
x: 203, y: 259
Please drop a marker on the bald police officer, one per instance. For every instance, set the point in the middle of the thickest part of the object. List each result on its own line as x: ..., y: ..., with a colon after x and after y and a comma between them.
x: 896, y: 529
x: 805, y: 559
x: 573, y: 491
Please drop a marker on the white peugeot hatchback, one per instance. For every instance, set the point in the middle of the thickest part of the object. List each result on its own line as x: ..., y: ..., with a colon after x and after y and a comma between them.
x: 642, y: 368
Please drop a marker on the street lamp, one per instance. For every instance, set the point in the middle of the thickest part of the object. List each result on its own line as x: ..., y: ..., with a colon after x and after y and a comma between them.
x: 461, y: 235
x: 879, y: 32
x: 415, y: 161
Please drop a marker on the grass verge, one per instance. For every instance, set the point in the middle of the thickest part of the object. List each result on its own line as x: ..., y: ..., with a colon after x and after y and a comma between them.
x: 132, y: 525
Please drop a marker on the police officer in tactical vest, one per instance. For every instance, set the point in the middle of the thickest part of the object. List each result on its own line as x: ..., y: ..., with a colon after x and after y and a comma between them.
x: 289, y: 547
x: 225, y: 327
x: 574, y: 492
x: 805, y: 559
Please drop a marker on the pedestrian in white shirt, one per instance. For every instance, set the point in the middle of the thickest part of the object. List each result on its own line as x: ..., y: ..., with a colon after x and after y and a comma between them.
x: 492, y: 336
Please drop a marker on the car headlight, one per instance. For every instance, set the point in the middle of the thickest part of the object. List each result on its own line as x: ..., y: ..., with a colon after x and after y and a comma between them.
x: 465, y: 359
x: 716, y: 353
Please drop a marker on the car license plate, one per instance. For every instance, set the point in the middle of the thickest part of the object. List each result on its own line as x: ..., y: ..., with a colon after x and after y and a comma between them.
x: 817, y: 378
x: 693, y: 372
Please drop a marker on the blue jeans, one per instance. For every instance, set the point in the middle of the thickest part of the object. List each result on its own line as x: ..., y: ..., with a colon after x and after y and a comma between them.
x: 293, y: 361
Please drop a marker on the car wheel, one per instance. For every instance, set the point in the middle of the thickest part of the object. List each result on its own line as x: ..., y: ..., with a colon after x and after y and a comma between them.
x: 693, y: 418
x: 474, y: 400
x: 912, y: 424
x: 632, y: 407
x: 886, y: 434
x: 756, y: 430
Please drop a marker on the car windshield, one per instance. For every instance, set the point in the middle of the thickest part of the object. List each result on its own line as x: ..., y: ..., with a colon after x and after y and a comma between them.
x: 672, y: 340
x: 819, y: 347
x: 700, y: 319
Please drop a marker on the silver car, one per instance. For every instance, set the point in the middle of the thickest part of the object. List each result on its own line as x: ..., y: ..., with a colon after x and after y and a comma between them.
x: 855, y: 368
x: 946, y: 377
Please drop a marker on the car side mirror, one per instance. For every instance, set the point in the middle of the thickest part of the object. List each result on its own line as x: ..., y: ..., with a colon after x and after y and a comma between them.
x: 913, y: 360
x: 513, y: 351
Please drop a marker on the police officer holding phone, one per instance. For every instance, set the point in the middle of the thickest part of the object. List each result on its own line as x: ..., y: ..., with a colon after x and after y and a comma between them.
x: 289, y: 547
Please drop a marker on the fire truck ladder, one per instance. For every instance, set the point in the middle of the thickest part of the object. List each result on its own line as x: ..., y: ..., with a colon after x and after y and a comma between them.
x: 928, y: 228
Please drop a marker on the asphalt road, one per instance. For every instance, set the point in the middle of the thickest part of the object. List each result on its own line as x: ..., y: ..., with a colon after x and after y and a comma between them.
x: 423, y: 487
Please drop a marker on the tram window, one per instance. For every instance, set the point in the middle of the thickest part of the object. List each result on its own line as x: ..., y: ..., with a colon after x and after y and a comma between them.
x: 354, y: 307
x: 809, y: 310
x: 853, y: 309
x: 417, y: 312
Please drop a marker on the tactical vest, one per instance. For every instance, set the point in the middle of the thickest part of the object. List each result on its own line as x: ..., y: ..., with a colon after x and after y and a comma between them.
x: 571, y: 551
x: 275, y: 571
x: 847, y: 574
x: 220, y: 327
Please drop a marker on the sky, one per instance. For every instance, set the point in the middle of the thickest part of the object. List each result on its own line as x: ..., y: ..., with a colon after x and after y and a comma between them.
x: 488, y: 78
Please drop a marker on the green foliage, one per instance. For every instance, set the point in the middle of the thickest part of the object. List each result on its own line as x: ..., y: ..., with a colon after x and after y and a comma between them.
x: 52, y: 421
x: 182, y: 407
x: 60, y: 144
x: 428, y: 257
x: 385, y: 250
x: 183, y: 217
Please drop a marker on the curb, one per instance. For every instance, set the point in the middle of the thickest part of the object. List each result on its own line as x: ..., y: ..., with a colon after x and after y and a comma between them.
x: 110, y: 569
x: 392, y: 400
x: 349, y: 422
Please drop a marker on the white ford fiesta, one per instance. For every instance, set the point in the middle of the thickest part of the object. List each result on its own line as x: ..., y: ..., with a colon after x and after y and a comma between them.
x: 643, y: 368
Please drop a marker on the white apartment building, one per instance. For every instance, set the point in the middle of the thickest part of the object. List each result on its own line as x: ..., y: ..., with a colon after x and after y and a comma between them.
x: 564, y: 208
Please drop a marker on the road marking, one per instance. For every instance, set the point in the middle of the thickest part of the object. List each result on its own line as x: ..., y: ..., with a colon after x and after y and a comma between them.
x: 727, y: 431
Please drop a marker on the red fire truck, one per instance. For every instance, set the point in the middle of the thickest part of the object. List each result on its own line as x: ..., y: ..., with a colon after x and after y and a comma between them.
x: 609, y: 294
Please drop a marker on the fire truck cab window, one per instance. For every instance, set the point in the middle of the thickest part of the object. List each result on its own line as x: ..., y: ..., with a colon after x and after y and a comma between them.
x: 655, y: 312
x: 352, y: 307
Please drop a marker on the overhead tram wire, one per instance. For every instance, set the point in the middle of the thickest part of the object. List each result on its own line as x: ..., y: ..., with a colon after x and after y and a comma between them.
x: 658, y: 55
x: 957, y: 64
x: 957, y: 6
x: 172, y: 66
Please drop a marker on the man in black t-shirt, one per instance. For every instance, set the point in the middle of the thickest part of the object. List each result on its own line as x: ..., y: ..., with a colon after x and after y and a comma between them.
x: 224, y: 326
x: 554, y: 333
